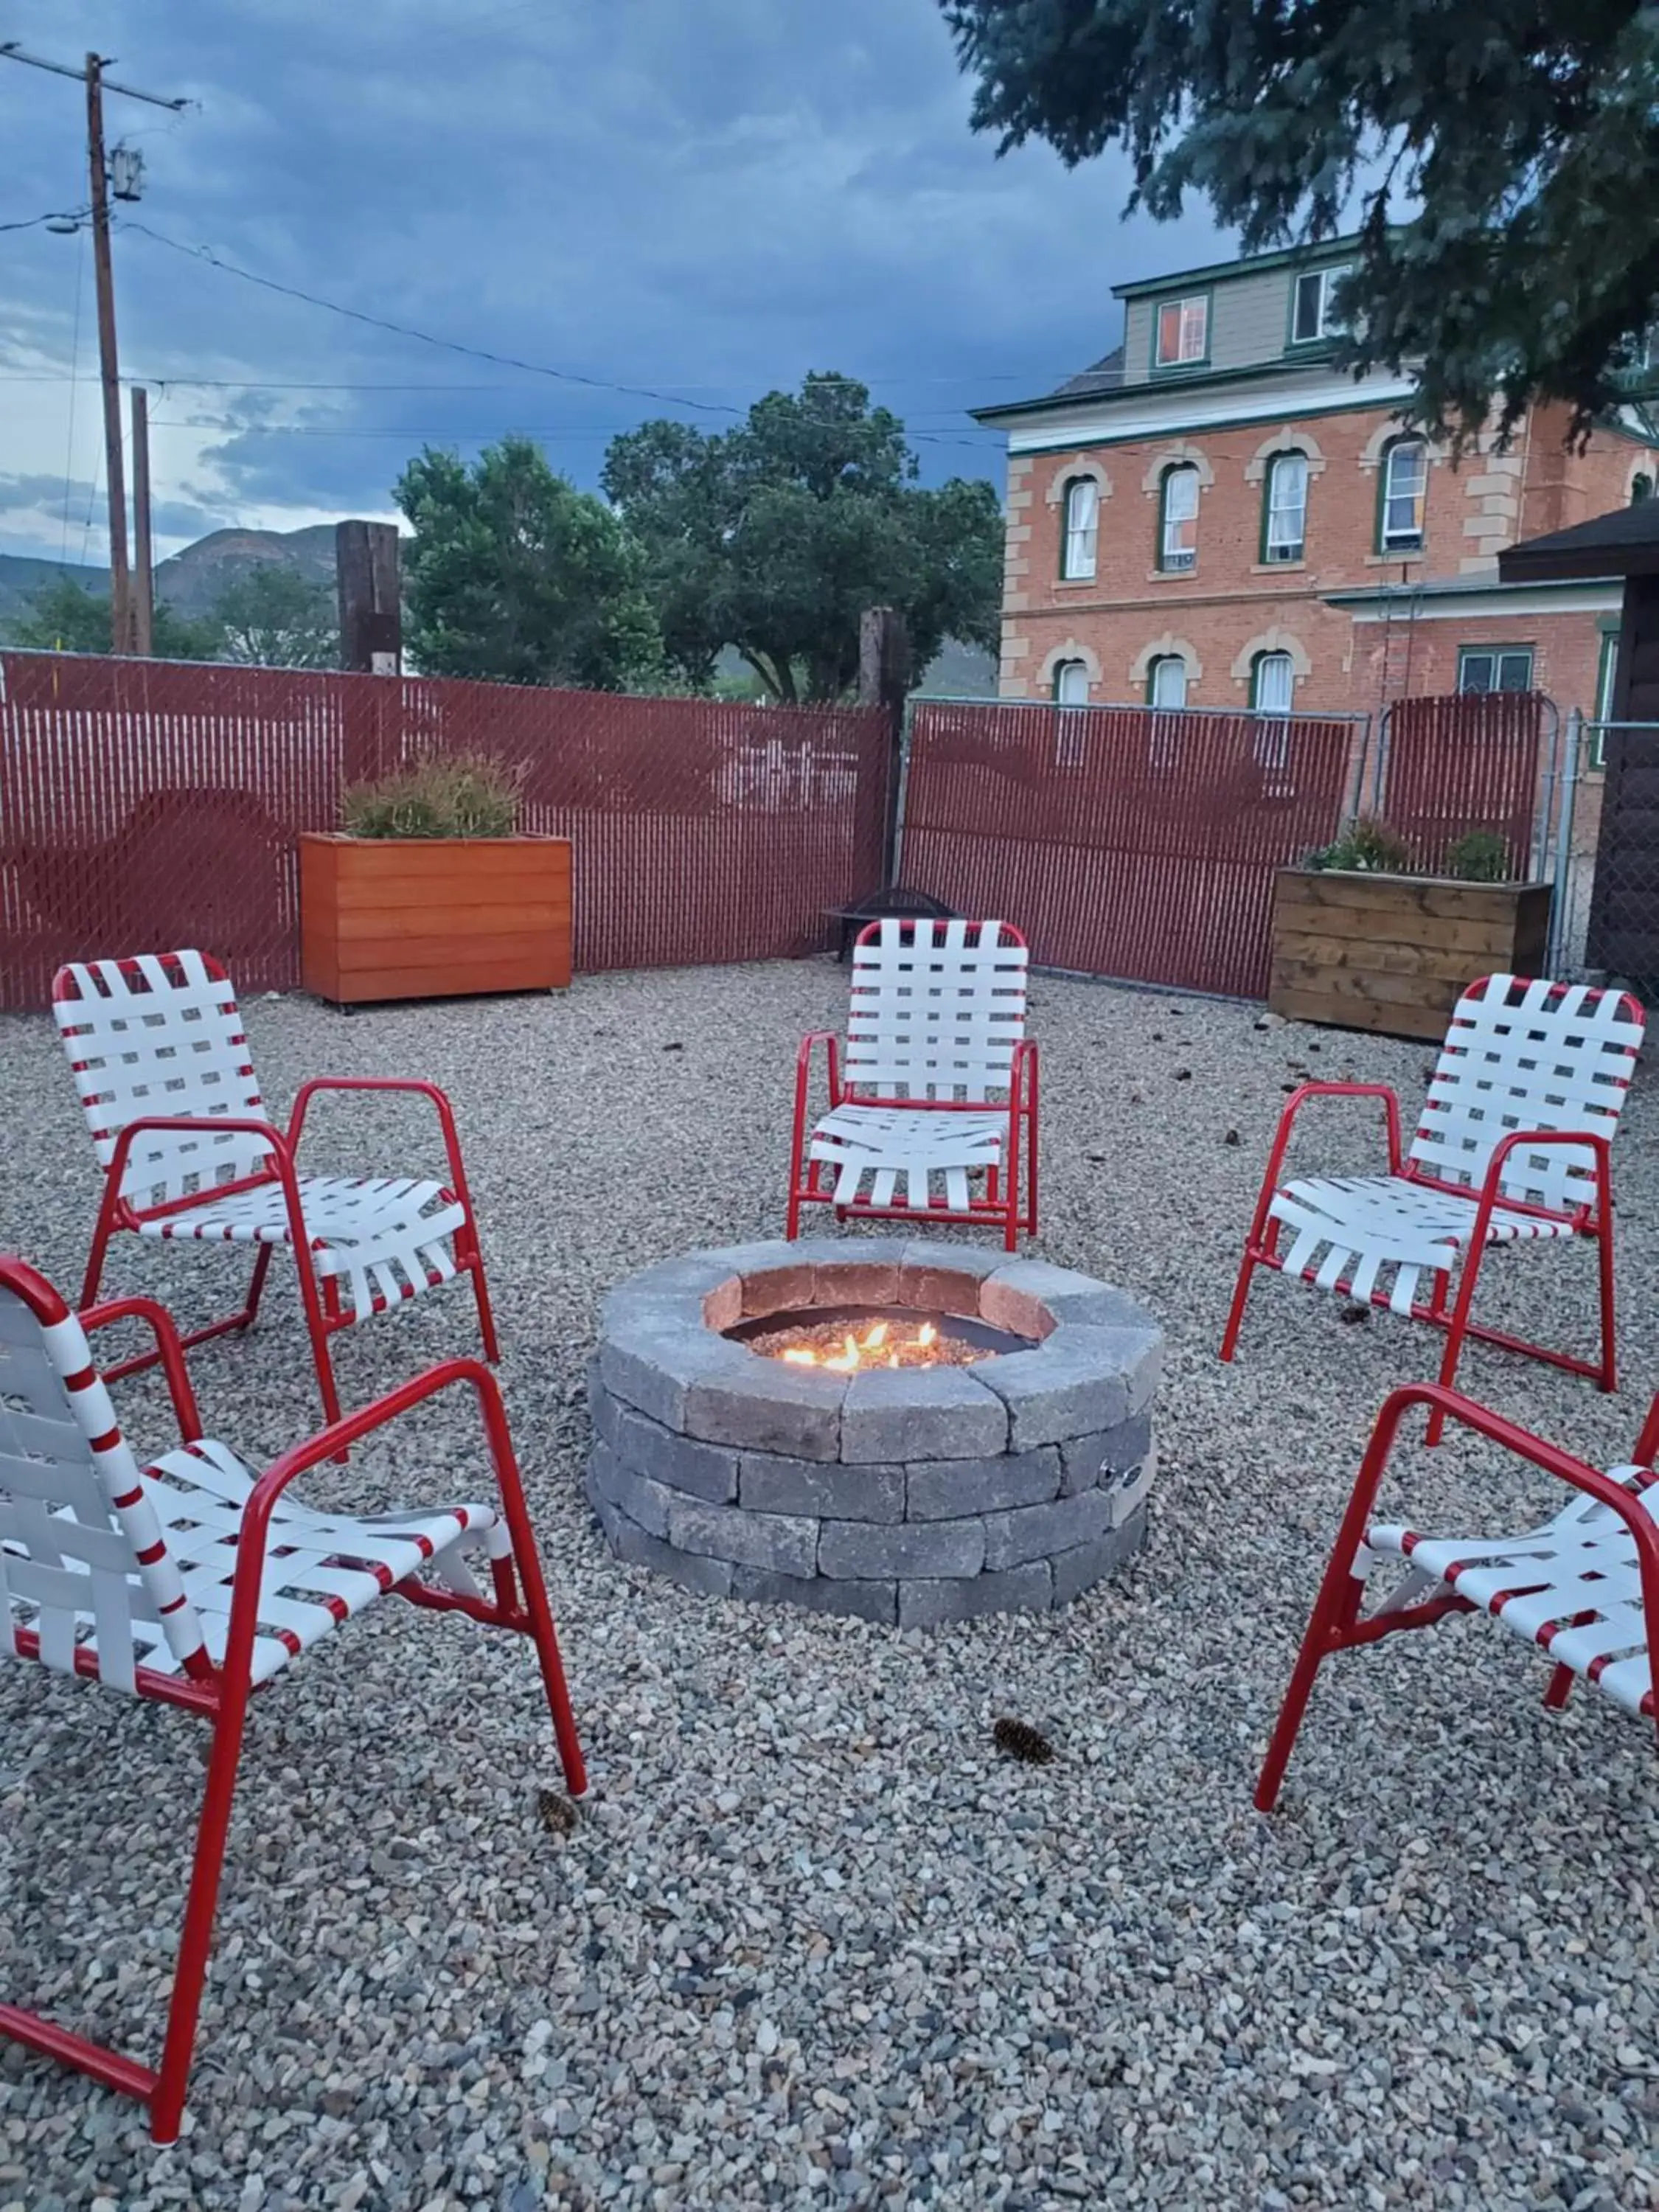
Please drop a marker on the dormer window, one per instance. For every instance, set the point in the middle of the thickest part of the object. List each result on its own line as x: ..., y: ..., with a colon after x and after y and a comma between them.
x: 1314, y: 316
x: 1183, y: 335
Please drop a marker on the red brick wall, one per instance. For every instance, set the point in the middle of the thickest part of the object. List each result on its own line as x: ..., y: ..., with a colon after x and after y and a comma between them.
x: 1228, y: 600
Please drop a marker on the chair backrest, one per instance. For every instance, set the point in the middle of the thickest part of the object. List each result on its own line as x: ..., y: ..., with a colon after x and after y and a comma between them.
x: 160, y: 1034
x: 81, y: 1546
x: 1528, y: 1055
x: 937, y: 1009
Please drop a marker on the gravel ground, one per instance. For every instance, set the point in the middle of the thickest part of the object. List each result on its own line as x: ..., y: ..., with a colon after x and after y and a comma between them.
x: 814, y: 1940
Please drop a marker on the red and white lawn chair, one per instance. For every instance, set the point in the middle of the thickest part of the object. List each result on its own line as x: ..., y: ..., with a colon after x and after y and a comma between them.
x: 189, y: 1155
x: 937, y: 1023
x: 1514, y: 1145
x: 1582, y: 1588
x: 195, y: 1582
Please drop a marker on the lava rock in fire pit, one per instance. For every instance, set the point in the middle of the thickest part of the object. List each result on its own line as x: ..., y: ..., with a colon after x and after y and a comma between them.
x: 912, y: 1493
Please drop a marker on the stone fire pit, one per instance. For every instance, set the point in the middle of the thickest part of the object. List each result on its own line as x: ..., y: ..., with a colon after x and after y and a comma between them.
x: 912, y: 1495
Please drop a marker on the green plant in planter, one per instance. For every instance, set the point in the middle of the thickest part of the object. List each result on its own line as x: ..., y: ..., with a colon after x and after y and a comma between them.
x: 1371, y: 848
x: 464, y: 795
x: 1481, y: 856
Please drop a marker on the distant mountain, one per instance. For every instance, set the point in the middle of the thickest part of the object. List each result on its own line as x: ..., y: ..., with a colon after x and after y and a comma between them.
x: 191, y: 581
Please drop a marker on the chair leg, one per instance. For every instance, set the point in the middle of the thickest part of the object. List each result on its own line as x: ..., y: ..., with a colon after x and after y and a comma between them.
x: 250, y: 1312
x: 1560, y: 1685
x: 168, y: 2103
x: 100, y: 1237
x: 492, y: 1349
x: 1247, y: 1267
x: 1609, y: 1358
x: 1455, y: 1335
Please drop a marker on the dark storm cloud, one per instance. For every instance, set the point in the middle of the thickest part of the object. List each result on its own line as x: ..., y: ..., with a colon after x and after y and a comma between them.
x: 707, y: 199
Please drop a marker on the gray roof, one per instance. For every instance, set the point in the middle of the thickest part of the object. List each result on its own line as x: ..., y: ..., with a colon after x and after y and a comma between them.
x: 1104, y: 375
x: 1623, y: 543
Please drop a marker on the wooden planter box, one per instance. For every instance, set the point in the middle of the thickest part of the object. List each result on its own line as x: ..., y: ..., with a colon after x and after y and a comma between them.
x: 433, y: 917
x: 1394, y: 953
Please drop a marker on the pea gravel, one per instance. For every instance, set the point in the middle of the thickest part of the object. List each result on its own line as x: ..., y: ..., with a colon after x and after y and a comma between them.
x: 814, y: 1940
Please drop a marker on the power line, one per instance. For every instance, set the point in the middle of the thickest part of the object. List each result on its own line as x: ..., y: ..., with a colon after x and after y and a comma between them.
x: 425, y: 338
x: 57, y: 215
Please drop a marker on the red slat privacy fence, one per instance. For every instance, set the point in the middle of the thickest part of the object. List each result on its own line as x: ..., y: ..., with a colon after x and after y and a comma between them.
x: 145, y: 805
x: 1466, y: 761
x: 1122, y: 841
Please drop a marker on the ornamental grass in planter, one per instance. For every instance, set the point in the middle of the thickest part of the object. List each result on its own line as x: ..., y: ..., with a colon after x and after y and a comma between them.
x: 428, y: 890
x: 1363, y: 941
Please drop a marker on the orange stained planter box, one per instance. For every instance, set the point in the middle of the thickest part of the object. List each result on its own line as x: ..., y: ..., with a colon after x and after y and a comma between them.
x: 433, y: 917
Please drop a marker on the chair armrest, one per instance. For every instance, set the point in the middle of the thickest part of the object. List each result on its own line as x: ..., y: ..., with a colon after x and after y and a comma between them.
x: 333, y: 1442
x: 1492, y: 1181
x: 169, y: 1347
x: 1293, y: 1105
x: 831, y: 1044
x: 439, y: 1100
x: 216, y: 1124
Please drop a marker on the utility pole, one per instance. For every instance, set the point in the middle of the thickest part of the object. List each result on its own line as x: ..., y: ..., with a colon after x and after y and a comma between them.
x: 143, y: 578
x: 122, y: 616
x: 121, y: 581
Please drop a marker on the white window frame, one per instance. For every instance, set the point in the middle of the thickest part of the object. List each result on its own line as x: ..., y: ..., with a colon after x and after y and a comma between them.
x: 1191, y: 328
x: 1071, y: 730
x: 1392, y: 538
x: 1326, y: 326
x: 1497, y: 654
x: 1067, y: 671
x: 1173, y: 559
x: 1273, y: 737
x: 1175, y: 664
x: 1080, y: 538
x: 1279, y: 545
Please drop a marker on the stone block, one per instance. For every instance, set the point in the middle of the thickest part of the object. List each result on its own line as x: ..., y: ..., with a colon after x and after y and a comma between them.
x: 862, y: 1550
x: 1081, y: 1379
x: 853, y: 1279
x: 761, y: 1405
x: 1078, y: 1570
x: 944, y: 1278
x: 1105, y: 1455
x: 924, y: 1604
x: 922, y: 1412
x: 1032, y: 1298
x: 635, y: 1495
x: 722, y: 1306
x: 713, y: 1577
x: 769, y: 1484
x: 777, y: 1289
x: 944, y: 1489
x: 865, y: 1600
x: 783, y: 1543
x: 648, y: 1447
x: 1034, y: 1532
x: 652, y: 1359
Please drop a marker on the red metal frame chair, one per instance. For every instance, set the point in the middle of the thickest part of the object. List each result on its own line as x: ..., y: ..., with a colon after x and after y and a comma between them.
x: 196, y: 1583
x: 936, y: 1025
x: 1514, y: 1144
x: 164, y: 1074
x: 1584, y: 1587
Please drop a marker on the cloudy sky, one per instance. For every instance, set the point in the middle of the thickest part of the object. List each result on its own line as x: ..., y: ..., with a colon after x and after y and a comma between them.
x: 700, y: 199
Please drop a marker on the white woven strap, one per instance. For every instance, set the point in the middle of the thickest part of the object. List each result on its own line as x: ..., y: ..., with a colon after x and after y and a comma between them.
x: 893, y: 1145
x: 82, y: 1554
x: 1346, y: 1231
x: 1525, y: 1055
x: 1573, y: 1586
x: 160, y: 1035
x: 933, y: 1014
x: 384, y: 1237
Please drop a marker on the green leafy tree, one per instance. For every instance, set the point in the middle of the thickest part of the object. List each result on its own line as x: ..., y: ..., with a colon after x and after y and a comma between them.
x: 1526, y: 132
x: 66, y: 618
x: 275, y: 617
x: 515, y: 576
x: 774, y: 537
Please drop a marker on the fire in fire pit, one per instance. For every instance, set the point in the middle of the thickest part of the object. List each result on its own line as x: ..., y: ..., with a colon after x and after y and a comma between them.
x: 846, y: 1340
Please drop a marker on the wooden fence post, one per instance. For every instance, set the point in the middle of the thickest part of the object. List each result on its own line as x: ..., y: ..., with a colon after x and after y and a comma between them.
x: 884, y: 682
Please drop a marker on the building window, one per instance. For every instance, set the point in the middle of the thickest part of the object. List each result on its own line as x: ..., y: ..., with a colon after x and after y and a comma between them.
x: 1405, y: 481
x: 1285, y: 527
x: 1071, y: 683
x: 1494, y: 668
x: 1606, y: 676
x: 1182, y: 334
x: 1177, y: 528
x: 1641, y: 488
x: 1166, y: 682
x: 1070, y: 690
x: 1272, y: 694
x: 1313, y: 315
x: 1082, y: 535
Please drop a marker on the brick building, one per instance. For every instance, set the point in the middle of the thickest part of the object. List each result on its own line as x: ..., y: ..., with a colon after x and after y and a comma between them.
x: 1213, y: 516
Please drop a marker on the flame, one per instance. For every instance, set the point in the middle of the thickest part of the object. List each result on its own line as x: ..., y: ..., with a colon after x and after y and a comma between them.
x: 926, y: 1334
x: 801, y: 1356
x: 877, y: 1346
